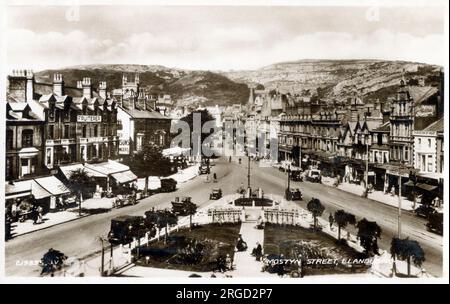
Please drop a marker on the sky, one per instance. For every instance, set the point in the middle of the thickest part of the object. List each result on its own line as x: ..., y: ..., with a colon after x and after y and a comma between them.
x: 219, y: 37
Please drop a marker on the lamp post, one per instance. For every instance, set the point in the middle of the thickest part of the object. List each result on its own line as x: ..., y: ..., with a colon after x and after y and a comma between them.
x: 399, y: 205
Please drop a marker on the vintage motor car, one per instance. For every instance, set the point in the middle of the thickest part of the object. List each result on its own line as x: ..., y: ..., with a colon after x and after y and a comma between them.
x: 124, y: 228
x: 294, y: 194
x: 296, y: 176
x: 314, y: 176
x: 203, y: 169
x: 168, y: 185
x: 215, y: 194
x: 424, y: 210
x: 183, y: 206
x: 435, y: 222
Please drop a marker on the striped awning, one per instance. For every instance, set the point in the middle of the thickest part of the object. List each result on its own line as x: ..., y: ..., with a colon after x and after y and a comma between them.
x: 124, y: 177
x: 52, y: 185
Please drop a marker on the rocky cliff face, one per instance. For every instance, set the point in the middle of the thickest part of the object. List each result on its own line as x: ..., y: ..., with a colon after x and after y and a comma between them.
x: 337, y: 79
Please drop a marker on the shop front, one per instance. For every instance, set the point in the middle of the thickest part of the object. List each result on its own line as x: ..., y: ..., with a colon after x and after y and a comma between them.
x: 56, y: 188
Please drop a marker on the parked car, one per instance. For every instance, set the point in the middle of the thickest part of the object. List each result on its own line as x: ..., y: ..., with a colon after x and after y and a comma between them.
x: 203, y: 169
x: 435, y: 222
x: 182, y: 207
x: 294, y: 194
x: 314, y: 176
x: 168, y: 185
x: 424, y: 210
x: 285, y: 165
x: 124, y: 228
x: 215, y: 194
x: 296, y: 176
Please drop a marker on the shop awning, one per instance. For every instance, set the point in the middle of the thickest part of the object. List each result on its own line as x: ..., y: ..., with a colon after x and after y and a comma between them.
x: 106, y: 168
x: 426, y: 187
x: 176, y: 151
x: 38, y: 191
x: 124, y: 177
x: 52, y: 185
x: 18, y: 189
x: 67, y: 170
x: 154, y: 183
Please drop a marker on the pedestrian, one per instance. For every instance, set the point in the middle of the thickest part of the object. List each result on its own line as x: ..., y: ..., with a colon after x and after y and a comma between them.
x: 215, y: 177
x: 228, y: 262
x: 331, y: 220
x: 40, y: 212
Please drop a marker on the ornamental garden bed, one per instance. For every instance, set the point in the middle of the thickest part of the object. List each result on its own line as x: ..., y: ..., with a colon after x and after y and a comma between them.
x: 190, y: 250
x: 320, y: 253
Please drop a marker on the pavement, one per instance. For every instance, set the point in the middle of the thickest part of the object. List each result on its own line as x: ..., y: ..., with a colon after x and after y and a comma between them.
x: 245, y: 264
x: 79, y: 238
x: 379, y: 196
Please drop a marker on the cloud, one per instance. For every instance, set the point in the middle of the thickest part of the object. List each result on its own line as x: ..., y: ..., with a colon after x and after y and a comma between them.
x: 216, y: 48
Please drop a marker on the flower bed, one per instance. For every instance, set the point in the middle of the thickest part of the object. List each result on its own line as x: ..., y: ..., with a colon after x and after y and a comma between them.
x: 190, y: 250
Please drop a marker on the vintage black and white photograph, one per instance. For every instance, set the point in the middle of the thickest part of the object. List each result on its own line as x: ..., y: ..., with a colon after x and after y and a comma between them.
x: 284, y: 142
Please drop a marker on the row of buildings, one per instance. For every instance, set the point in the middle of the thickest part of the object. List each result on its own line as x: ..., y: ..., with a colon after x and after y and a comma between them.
x: 384, y: 140
x: 50, y: 126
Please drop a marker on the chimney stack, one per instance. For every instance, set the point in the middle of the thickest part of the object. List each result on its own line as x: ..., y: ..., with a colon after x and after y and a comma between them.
x: 21, y: 84
x: 79, y: 84
x: 30, y: 85
x: 87, y: 89
x: 58, y: 85
x: 102, y: 89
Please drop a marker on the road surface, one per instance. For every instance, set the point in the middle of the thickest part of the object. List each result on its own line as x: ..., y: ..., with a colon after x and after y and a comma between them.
x: 80, y: 237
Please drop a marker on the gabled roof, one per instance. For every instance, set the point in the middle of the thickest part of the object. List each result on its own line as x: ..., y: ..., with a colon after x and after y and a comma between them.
x: 146, y: 114
x: 437, y: 126
x: 421, y: 94
x: 386, y: 127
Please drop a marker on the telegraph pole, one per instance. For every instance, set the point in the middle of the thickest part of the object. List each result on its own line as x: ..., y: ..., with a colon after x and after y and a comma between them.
x: 248, y: 173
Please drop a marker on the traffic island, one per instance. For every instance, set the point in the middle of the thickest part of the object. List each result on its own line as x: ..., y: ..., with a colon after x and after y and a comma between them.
x: 305, y: 252
x: 196, y: 250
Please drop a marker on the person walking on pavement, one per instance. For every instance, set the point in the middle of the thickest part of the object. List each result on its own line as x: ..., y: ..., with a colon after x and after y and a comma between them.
x: 331, y: 220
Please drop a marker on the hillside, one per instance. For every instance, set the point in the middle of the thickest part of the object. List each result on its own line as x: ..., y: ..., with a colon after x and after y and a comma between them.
x: 328, y: 79
x: 336, y: 79
x: 186, y: 87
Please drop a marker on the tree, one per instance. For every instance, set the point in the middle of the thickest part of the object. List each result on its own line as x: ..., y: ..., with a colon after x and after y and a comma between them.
x: 52, y: 261
x: 80, y: 183
x: 161, y: 219
x: 342, y: 219
x: 191, y: 209
x: 149, y: 161
x: 189, y: 119
x: 406, y: 249
x: 368, y: 233
x: 316, y: 208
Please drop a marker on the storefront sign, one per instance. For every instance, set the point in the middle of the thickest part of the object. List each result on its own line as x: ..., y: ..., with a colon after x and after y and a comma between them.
x: 124, y: 147
x: 89, y: 118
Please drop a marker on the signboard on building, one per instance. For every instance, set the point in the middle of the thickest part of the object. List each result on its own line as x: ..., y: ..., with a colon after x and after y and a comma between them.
x: 124, y: 147
x: 89, y: 118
